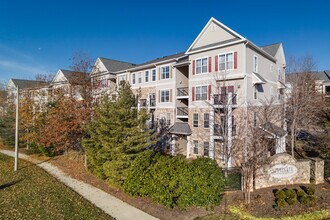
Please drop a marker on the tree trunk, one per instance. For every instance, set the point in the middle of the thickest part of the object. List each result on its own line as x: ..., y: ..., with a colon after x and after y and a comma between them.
x: 292, y: 138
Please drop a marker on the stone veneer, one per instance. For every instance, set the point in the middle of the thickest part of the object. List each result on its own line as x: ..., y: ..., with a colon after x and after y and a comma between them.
x: 302, y: 175
x: 318, y: 168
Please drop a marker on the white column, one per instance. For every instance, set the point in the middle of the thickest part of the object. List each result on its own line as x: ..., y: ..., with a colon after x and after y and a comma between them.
x: 173, y: 144
x: 188, y: 146
x: 138, y: 105
x: 229, y: 123
x: 211, y: 125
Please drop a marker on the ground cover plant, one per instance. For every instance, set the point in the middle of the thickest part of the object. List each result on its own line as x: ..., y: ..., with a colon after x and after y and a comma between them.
x: 31, y: 193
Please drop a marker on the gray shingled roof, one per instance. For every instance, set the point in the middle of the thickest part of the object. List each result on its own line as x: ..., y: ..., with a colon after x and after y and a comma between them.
x: 180, y: 128
x: 271, y: 49
x: 73, y: 76
x: 323, y: 75
x: 115, y: 65
x: 164, y: 58
x: 273, y: 129
x: 27, y: 84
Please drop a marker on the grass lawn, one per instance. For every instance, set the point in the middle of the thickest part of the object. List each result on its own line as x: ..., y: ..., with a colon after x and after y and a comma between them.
x: 31, y: 193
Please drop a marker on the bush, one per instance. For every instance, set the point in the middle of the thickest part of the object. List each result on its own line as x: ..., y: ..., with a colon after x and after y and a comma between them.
x: 175, y: 181
x: 291, y: 197
x: 310, y: 191
x: 281, y: 203
x: 280, y: 194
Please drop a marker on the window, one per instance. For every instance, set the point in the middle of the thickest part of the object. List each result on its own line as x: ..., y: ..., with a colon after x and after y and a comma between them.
x: 195, y: 145
x: 195, y: 122
x: 255, y: 64
x: 146, y: 76
x: 152, y: 99
x: 140, y: 77
x: 206, y: 120
x: 201, y: 93
x: 206, y: 148
x: 201, y: 65
x: 121, y: 78
x: 133, y: 78
x: 168, y: 119
x: 165, y: 72
x: 104, y: 83
x: 226, y: 61
x: 255, y: 92
x: 153, y: 75
x: 165, y: 96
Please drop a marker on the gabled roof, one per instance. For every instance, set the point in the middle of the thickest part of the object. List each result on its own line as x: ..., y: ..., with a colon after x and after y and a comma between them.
x: 73, y: 76
x: 115, y: 65
x: 180, y: 128
x: 235, y: 35
x: 27, y: 84
x: 273, y: 129
x: 271, y: 49
x: 258, y: 79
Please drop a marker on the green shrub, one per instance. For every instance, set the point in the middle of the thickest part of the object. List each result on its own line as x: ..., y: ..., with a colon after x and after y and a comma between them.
x: 291, y: 197
x: 175, y: 181
x: 281, y: 203
x: 280, y: 194
x: 301, y: 193
x: 305, y: 200
x: 310, y: 191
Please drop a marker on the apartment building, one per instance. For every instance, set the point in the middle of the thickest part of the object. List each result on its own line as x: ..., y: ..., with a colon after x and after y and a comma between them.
x: 186, y: 92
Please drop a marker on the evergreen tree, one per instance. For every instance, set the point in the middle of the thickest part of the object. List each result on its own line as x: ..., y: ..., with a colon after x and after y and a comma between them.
x: 117, y: 134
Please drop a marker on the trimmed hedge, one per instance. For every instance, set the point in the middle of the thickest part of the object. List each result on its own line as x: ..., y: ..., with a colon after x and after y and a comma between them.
x: 175, y: 181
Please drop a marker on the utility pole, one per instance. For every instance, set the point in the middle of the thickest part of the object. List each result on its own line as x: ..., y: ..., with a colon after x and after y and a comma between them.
x: 16, y: 131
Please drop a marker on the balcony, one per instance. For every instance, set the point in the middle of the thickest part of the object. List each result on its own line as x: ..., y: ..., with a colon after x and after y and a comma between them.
x: 182, y: 93
x: 144, y: 103
x: 182, y: 112
x: 222, y: 99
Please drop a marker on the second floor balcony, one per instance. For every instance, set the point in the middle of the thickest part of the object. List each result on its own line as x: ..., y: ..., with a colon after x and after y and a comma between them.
x: 183, y: 93
x: 223, y: 99
x: 182, y: 112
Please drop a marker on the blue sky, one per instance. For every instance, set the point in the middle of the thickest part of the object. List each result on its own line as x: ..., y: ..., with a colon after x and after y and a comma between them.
x: 41, y: 36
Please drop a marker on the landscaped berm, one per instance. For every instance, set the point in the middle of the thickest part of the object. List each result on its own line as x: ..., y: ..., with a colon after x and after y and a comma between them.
x: 31, y: 193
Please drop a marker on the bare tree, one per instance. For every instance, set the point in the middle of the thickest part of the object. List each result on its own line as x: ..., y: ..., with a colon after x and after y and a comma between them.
x: 304, y: 106
x: 44, y: 77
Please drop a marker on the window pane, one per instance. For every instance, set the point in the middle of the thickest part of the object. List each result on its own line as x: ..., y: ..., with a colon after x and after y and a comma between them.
x: 206, y: 148
x: 206, y: 120
x: 195, y: 143
x: 198, y: 66
x: 146, y: 76
x: 153, y: 75
x: 222, y: 62
x: 195, y: 124
x: 230, y: 61
x: 204, y: 65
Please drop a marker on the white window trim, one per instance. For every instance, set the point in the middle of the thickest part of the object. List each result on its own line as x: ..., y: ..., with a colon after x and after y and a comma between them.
x: 255, y: 68
x: 207, y: 65
x: 169, y: 72
x: 151, y: 71
x: 145, y: 73
x: 226, y: 69
x: 163, y: 90
x: 207, y: 92
x: 204, y: 120
x: 133, y: 78
x: 255, y: 92
x: 139, y: 77
x: 194, y: 120
x: 195, y: 147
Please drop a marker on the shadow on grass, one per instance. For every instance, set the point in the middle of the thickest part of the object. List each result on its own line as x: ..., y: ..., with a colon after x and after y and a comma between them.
x: 3, y: 186
x: 31, y: 164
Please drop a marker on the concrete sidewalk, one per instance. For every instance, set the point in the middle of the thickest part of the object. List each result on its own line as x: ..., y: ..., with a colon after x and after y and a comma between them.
x: 108, y: 203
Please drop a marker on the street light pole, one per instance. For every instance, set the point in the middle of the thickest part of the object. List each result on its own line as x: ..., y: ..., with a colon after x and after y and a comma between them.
x: 16, y: 131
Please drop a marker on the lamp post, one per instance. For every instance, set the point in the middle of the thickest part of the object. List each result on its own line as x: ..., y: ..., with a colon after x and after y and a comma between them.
x: 16, y: 131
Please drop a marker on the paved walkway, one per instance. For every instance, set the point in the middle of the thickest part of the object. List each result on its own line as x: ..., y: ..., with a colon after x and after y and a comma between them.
x: 108, y: 203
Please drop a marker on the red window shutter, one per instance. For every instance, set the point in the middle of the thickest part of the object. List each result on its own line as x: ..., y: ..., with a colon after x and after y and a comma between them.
x: 107, y: 82
x: 209, y: 93
x: 216, y: 65
x: 210, y: 64
x: 235, y: 60
x: 231, y: 89
x: 193, y: 94
x: 193, y: 67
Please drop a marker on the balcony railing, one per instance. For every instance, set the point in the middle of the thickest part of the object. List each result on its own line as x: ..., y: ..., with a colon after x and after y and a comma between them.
x: 184, y: 91
x: 182, y: 111
x: 222, y: 99
x: 145, y: 103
